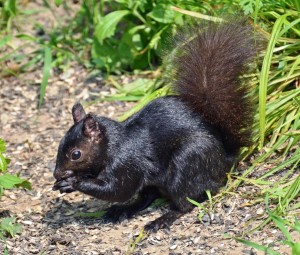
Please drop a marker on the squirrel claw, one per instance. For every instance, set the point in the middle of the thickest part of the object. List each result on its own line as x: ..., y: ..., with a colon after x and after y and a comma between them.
x: 64, y: 186
x: 154, y: 226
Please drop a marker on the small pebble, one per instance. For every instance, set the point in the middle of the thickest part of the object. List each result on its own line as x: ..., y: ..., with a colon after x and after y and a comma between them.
x: 260, y: 211
x: 173, y: 247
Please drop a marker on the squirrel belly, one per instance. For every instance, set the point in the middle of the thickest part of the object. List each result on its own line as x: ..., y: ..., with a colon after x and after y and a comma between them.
x: 176, y: 146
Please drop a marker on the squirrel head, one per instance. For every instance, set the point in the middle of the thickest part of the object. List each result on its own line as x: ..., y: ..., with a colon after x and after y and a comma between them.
x: 82, y: 151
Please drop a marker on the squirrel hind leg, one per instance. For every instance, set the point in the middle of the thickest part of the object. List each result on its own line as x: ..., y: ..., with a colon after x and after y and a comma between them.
x: 119, y: 212
x: 178, y: 208
x: 163, y: 222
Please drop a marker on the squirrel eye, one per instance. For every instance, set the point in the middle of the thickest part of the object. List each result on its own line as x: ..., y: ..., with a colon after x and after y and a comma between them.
x: 76, y: 155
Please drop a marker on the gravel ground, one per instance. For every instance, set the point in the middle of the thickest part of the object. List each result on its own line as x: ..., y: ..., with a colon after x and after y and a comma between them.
x: 51, y: 224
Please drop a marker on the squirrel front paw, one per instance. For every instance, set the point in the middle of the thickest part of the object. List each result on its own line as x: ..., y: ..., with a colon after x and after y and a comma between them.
x: 67, y: 185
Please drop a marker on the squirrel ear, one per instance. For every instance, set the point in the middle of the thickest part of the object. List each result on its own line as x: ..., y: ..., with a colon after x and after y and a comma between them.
x: 91, y: 128
x: 78, y: 112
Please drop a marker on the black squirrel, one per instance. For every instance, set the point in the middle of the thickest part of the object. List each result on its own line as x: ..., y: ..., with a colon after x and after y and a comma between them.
x: 176, y: 146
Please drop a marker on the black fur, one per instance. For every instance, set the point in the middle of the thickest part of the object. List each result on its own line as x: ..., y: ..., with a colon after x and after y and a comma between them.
x: 176, y: 146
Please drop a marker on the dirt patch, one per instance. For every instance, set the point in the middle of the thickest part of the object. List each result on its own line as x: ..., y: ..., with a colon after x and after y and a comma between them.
x: 48, y: 218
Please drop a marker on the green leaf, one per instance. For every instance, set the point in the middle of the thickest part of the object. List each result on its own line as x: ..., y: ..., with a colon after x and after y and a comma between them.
x: 2, y: 146
x: 138, y: 86
x: 8, y: 181
x: 57, y: 2
x: 104, y: 56
x: 6, y: 250
x: 157, y: 93
x: 3, y: 160
x: 162, y: 13
x: 296, y: 249
x: 209, y: 196
x: 3, y: 163
x: 46, y: 3
x: 133, y: 38
x: 197, y: 204
x: 1, y: 191
x: 194, y: 202
x: 9, y: 226
x: 5, y: 40
x: 10, y: 6
x: 156, y: 38
x: 107, y: 26
x: 27, y: 37
x: 250, y: 5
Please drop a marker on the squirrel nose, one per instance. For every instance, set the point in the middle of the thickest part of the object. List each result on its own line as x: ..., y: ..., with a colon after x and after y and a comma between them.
x: 62, y: 174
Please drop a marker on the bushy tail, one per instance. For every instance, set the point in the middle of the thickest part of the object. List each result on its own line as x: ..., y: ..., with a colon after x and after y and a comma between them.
x: 208, y: 67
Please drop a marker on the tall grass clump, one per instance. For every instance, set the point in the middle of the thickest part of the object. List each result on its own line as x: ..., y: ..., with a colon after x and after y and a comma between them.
x: 277, y: 121
x: 277, y: 125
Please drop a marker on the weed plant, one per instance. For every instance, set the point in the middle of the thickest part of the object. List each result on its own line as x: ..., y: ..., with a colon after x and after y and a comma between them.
x: 8, y: 226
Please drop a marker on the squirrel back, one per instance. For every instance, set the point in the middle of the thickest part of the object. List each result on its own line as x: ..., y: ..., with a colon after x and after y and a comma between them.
x: 207, y: 69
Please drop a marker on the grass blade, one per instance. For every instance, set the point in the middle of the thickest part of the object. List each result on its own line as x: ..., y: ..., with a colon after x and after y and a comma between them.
x: 5, y: 40
x: 264, y: 76
x: 158, y: 93
x: 257, y: 246
x: 281, y: 225
x: 196, y: 14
